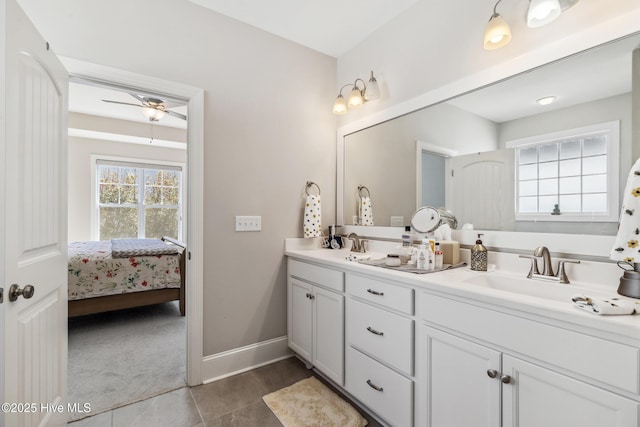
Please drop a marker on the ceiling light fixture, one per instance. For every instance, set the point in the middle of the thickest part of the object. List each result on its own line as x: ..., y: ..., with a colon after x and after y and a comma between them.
x: 357, y: 96
x: 547, y: 100
x: 539, y: 13
x: 497, y: 33
x: 153, y: 113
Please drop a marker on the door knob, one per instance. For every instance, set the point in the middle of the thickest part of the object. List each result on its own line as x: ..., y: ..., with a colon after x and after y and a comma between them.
x: 15, y: 291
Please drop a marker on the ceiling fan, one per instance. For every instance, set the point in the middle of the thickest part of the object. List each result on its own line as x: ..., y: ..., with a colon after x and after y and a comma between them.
x: 153, y: 108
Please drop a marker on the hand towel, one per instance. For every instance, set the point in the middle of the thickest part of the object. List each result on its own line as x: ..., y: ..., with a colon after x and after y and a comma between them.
x: 366, y: 215
x: 604, y: 306
x: 626, y: 245
x: 311, y: 220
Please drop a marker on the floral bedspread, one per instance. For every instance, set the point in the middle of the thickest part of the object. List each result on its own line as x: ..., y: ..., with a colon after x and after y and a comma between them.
x: 93, y: 272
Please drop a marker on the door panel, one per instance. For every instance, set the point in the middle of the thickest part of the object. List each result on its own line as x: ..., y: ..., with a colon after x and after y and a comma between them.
x: 33, y: 224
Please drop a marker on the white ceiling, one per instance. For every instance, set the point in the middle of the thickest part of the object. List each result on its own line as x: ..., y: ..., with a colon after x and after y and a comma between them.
x: 328, y: 26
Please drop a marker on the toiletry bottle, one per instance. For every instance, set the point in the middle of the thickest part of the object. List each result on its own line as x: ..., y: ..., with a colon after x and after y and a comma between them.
x: 439, y: 257
x: 479, y: 256
x: 431, y: 259
x: 421, y: 258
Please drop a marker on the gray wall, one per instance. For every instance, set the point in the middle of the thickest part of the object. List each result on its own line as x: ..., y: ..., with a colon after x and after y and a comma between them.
x: 262, y: 140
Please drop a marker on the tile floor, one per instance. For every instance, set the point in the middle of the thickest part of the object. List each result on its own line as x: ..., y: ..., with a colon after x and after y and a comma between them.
x: 232, y: 402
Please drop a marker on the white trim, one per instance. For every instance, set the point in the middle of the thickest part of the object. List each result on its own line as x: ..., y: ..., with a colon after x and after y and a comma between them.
x: 242, y: 359
x: 116, y: 137
x: 612, y: 130
x: 195, y: 189
x: 434, y: 149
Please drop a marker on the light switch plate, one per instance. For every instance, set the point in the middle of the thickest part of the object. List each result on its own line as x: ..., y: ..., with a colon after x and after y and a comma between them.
x: 248, y: 223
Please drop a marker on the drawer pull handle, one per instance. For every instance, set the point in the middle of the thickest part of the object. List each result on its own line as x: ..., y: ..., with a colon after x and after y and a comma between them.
x: 506, y: 379
x: 373, y: 386
x: 373, y: 331
x: 492, y: 373
x: 371, y: 291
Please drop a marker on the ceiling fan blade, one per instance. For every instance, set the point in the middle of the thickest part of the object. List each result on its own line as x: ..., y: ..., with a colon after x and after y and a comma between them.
x: 122, y: 103
x: 175, y: 114
x: 137, y: 96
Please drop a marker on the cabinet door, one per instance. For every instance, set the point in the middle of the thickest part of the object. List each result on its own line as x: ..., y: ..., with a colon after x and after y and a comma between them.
x: 539, y: 397
x: 459, y: 389
x: 328, y: 333
x: 299, y: 321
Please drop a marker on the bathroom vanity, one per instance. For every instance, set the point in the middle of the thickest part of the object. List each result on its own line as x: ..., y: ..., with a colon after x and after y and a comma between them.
x: 461, y: 348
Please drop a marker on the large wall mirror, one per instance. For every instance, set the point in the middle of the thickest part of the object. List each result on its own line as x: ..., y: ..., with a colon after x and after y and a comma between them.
x: 420, y: 158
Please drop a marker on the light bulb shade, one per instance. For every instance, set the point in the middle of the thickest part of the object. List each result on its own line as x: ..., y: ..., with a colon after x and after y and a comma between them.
x: 541, y: 12
x: 355, y: 98
x: 373, y: 90
x: 340, y: 106
x: 153, y: 114
x: 497, y: 33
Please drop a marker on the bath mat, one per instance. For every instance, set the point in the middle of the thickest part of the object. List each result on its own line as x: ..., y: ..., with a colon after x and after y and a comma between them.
x: 309, y: 403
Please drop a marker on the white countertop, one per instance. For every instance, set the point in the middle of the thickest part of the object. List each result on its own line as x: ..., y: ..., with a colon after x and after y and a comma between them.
x: 455, y: 283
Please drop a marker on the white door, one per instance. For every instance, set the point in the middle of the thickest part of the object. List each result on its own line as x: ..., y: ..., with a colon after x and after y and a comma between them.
x: 33, y: 155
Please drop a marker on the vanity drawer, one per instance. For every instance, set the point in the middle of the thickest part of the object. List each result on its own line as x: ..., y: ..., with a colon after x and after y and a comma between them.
x: 384, y: 391
x: 332, y: 279
x: 384, y: 293
x: 603, y: 360
x: 384, y: 335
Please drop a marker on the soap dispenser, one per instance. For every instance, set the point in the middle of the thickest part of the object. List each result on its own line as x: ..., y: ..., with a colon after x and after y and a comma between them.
x: 479, y: 256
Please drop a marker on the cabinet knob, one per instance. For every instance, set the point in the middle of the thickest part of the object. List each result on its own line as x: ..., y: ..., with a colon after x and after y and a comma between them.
x: 310, y: 296
x: 492, y: 373
x: 506, y: 379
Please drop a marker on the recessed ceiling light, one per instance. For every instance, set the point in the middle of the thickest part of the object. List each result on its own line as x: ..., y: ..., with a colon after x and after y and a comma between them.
x: 546, y: 100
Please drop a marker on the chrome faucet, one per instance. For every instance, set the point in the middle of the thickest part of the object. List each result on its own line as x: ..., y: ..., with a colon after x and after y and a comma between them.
x: 357, y: 245
x: 547, y: 269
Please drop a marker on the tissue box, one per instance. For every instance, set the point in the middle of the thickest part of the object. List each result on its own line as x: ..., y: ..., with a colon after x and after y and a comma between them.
x: 450, y: 251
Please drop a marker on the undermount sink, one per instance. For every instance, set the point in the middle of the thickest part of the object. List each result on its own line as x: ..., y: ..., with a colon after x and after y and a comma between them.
x: 530, y: 287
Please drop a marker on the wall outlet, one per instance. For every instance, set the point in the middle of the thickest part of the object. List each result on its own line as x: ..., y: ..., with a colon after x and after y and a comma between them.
x: 248, y: 223
x: 397, y: 221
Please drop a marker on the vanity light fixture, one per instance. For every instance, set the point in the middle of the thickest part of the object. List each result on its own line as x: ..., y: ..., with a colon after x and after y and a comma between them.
x: 497, y: 33
x: 358, y: 96
x: 539, y: 13
x: 547, y: 100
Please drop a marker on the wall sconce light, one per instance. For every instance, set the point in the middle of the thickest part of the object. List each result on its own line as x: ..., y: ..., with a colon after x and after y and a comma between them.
x: 358, y: 96
x: 540, y: 12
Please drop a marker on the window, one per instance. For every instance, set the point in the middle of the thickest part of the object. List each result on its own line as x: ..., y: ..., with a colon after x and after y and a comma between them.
x: 568, y: 176
x: 138, y: 200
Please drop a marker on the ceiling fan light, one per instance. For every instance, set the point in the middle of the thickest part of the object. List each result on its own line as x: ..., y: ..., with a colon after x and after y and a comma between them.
x: 340, y: 106
x: 542, y: 12
x: 355, y: 98
x: 153, y: 114
x: 497, y: 33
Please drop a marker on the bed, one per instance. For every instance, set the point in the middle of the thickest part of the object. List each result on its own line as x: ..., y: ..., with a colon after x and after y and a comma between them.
x: 116, y: 274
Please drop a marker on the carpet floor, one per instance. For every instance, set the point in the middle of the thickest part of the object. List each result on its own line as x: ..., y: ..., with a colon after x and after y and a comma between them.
x: 125, y: 356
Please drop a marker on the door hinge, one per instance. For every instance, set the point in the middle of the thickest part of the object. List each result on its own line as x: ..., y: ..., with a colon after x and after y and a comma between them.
x: 451, y: 172
x: 1, y: 295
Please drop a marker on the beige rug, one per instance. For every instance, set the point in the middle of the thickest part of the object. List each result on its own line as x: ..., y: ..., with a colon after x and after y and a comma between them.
x: 309, y: 403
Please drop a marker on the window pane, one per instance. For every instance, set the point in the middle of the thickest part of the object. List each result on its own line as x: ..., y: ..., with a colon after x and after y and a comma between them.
x: 161, y: 222
x: 109, y: 193
x: 570, y: 149
x: 107, y: 174
x: 595, y: 145
x: 570, y: 204
x: 570, y: 185
x: 594, y: 184
x: 570, y: 167
x: 547, y: 203
x: 594, y: 202
x: 528, y: 204
x: 548, y: 186
x: 528, y: 155
x: 528, y: 172
x: 528, y: 188
x: 548, y: 152
x: 116, y: 222
x: 593, y: 165
x: 548, y: 170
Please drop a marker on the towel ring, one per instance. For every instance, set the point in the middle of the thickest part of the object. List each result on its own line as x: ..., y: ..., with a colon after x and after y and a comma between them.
x: 311, y: 184
x: 362, y: 188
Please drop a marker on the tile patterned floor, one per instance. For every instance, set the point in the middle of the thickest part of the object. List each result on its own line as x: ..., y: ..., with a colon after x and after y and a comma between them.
x: 232, y: 402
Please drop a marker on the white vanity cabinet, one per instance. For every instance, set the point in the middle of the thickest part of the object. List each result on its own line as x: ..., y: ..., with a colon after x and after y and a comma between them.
x: 474, y: 372
x: 315, y: 316
x: 380, y: 347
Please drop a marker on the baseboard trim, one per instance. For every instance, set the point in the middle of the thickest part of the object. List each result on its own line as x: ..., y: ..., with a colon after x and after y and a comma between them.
x: 221, y: 365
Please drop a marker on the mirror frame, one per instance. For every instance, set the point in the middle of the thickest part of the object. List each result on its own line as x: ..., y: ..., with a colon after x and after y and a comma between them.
x: 588, y: 245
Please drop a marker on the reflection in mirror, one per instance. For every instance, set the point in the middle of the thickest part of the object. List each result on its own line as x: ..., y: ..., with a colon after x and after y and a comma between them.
x: 591, y: 88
